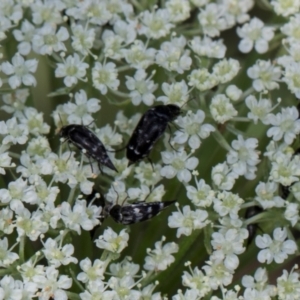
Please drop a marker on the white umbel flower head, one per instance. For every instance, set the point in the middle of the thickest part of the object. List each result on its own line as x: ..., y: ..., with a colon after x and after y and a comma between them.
x: 112, y: 241
x: 175, y: 93
x: 72, y: 69
x: 161, y: 257
x: 178, y: 164
x: 155, y: 24
x: 188, y: 220
x: 259, y: 110
x: 265, y: 75
x: 193, y: 129
x: 80, y: 111
x: 20, y: 71
x: 243, y: 157
x: 277, y: 249
x: 254, y: 34
x: 222, y: 109
x: 286, y: 125
x: 105, y: 76
x: 286, y: 8
x: 288, y: 284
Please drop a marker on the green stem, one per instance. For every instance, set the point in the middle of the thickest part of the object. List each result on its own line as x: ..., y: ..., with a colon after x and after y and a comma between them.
x: 256, y: 218
x: 76, y: 281
x: 221, y: 140
x: 14, y: 155
x: 72, y: 296
x: 4, y: 272
x: 120, y: 94
x: 21, y: 249
x: 71, y: 196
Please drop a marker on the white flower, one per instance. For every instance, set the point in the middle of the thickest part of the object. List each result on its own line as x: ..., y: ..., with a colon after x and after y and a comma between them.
x: 176, y: 93
x: 265, y: 195
x: 15, y: 101
x: 259, y: 110
x: 80, y: 111
x: 76, y: 217
x: 161, y: 257
x: 6, y: 217
x: 47, y: 11
x: 58, y: 255
x: 109, y: 136
x: 243, y: 157
x: 29, y: 224
x: 193, y: 129
x: 201, y: 196
x: 255, y: 34
x: 38, y: 147
x: 227, y: 203
x: 226, y: 247
x: 178, y: 164
x: 222, y: 109
x: 277, y: 249
x: 139, y: 56
x: 257, y: 286
x: 112, y: 241
x: 7, y: 257
x: 34, y: 121
x: 72, y: 69
x: 233, y: 92
x: 291, y: 28
x: 141, y: 88
x: 20, y: 71
x: 24, y: 37
x: 223, y: 177
x: 14, y: 133
x: 226, y: 69
x: 292, y: 213
x: 52, y: 284
x: 113, y: 45
x: 5, y: 159
x: 155, y: 24
x: 147, y: 174
x: 94, y: 11
x: 288, y: 285
x: 173, y: 56
x: 187, y: 220
x: 9, y: 288
x: 265, y: 76
x: 285, y: 169
x: 105, y: 76
x: 91, y: 272
x: 291, y: 75
x: 125, y: 267
x: 202, y: 79
x: 196, y: 281
x: 124, y: 287
x: 46, y: 40
x: 179, y: 10
x: 208, y: 47
x: 212, y: 19
x: 126, y: 29
x: 217, y: 273
x: 295, y: 189
x: 82, y: 38
x: 97, y: 290
x: 238, y: 9
x: 286, y: 125
x: 286, y: 8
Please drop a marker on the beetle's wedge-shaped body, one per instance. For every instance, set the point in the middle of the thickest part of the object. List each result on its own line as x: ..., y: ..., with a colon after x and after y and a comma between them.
x: 149, y: 129
x: 84, y: 139
x: 136, y: 212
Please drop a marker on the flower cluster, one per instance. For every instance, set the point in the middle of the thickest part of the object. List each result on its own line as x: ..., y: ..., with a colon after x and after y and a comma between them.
x: 150, y: 102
